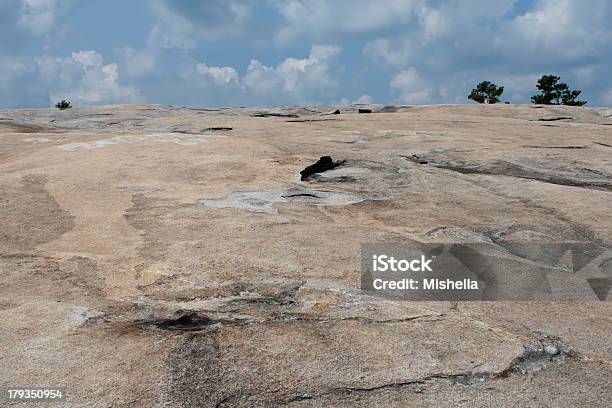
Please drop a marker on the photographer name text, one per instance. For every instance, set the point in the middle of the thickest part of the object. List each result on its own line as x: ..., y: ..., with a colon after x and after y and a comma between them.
x: 384, y: 263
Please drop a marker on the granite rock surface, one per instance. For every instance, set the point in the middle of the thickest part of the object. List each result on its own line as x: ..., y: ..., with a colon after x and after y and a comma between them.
x: 172, y: 257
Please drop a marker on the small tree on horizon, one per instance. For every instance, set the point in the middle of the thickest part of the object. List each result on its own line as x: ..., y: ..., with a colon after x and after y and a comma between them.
x: 63, y: 104
x: 554, y: 92
x: 486, y: 92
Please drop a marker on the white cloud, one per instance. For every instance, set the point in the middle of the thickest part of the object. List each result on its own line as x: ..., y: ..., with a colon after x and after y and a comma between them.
x: 607, y: 99
x: 88, y: 59
x: 320, y: 17
x: 182, y: 24
x: 565, y: 33
x: 263, y: 80
x: 365, y: 99
x: 381, y: 50
x: 39, y: 16
x: 137, y: 63
x: 307, y: 80
x: 83, y: 78
x: 411, y: 87
x: 303, y: 80
x: 435, y: 23
x: 26, y: 23
x: 441, y: 34
x: 11, y: 69
x: 562, y: 29
x: 291, y: 81
x: 220, y: 75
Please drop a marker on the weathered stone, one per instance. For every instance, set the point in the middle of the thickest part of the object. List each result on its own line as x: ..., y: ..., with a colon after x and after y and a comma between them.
x: 146, y: 262
x: 323, y: 164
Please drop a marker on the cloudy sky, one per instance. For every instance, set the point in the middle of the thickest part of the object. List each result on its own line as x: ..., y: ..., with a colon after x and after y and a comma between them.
x: 271, y: 52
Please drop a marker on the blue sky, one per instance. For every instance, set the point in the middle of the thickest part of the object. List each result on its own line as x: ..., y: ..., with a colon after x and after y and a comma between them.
x: 272, y: 52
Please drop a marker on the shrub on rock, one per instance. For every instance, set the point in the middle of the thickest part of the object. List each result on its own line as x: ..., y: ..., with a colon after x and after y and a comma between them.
x: 63, y: 104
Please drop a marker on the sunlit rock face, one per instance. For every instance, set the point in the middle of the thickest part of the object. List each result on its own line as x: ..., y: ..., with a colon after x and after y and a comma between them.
x: 174, y: 256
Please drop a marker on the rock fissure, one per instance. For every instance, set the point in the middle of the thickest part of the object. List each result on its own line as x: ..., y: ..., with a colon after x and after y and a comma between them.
x: 509, y: 169
x: 535, y: 357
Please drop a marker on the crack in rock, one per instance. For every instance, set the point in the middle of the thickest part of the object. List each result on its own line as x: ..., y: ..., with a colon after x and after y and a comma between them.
x: 555, y: 119
x: 213, y: 358
x: 538, y: 356
x: 511, y: 169
x: 301, y: 195
x: 282, y: 298
x: 137, y: 189
x: 217, y: 128
x: 195, y: 322
x: 275, y: 114
x: 309, y: 120
x: 444, y: 149
x: 554, y: 147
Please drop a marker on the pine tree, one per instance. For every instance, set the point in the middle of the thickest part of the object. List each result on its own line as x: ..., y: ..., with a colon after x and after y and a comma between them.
x: 486, y: 92
x: 554, y: 92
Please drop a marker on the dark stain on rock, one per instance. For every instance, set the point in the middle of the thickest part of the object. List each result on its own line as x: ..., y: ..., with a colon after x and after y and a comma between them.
x: 323, y: 164
x: 26, y: 128
x: 388, y: 109
x: 30, y: 215
x: 185, y: 322
x: 196, y: 374
x: 144, y: 215
x: 538, y: 356
x: 75, y: 279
